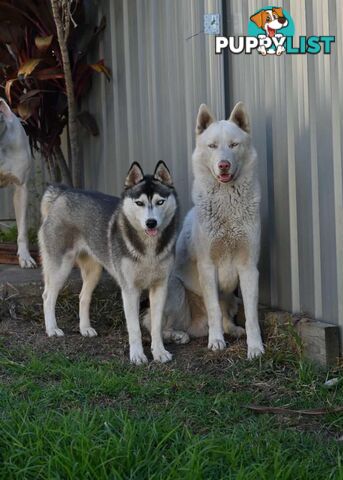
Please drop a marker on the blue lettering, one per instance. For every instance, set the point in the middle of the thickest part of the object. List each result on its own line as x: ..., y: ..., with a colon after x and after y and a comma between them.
x: 289, y: 46
x: 327, y: 40
x: 313, y: 45
x: 302, y: 44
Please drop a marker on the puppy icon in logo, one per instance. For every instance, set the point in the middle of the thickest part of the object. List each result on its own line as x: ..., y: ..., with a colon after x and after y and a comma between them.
x: 271, y: 20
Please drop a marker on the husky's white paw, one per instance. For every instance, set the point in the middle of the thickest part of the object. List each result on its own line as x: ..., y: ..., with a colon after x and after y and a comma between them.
x: 180, y: 337
x: 255, y: 351
x: 88, y: 332
x: 216, y: 344
x: 55, y: 332
x: 137, y: 356
x: 26, y: 261
x: 161, y: 355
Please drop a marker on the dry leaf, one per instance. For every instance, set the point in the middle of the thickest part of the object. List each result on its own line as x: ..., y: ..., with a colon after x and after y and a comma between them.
x: 27, y: 108
x: 8, y: 89
x: 28, y: 67
x: 100, y: 67
x: 43, y: 43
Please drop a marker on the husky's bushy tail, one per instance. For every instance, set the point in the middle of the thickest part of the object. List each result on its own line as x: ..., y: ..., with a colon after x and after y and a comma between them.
x: 51, y: 193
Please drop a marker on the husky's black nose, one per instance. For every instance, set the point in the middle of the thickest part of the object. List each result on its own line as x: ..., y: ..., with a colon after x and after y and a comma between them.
x: 151, y: 223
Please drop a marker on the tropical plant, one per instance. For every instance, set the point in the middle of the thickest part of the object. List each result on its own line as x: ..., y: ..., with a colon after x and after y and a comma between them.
x: 32, y: 74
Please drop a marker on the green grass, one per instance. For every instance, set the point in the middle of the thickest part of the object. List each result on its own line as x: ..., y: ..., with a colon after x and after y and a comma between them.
x: 9, y: 235
x: 75, y: 418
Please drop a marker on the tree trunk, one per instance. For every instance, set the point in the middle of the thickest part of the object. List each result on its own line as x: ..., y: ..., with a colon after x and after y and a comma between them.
x: 52, y: 168
x: 61, y: 162
x: 72, y: 121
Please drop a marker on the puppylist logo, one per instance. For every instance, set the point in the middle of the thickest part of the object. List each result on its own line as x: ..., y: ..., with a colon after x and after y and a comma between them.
x: 271, y: 32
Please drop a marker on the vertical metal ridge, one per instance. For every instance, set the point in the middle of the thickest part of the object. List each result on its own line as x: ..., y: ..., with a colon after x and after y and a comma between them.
x: 337, y: 124
x: 114, y: 87
x: 128, y: 78
x: 292, y: 187
x: 312, y: 88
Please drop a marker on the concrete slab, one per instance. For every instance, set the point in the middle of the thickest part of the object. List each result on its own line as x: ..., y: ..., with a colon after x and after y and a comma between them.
x: 15, y: 275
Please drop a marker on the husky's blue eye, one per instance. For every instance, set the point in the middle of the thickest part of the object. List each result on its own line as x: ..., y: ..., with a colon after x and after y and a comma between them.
x: 233, y: 145
x: 160, y: 202
x: 212, y: 145
x: 140, y: 204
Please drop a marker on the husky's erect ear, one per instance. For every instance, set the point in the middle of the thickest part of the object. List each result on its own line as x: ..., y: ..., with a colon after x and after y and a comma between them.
x: 204, y: 119
x: 240, y: 117
x: 162, y: 174
x: 134, y: 175
x: 5, y: 109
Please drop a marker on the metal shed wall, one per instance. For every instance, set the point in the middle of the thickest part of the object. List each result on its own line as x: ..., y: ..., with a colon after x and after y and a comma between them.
x: 296, y: 105
x: 159, y: 78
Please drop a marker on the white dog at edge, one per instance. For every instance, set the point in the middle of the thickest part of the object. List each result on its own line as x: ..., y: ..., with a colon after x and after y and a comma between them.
x: 15, y: 166
x: 220, y: 240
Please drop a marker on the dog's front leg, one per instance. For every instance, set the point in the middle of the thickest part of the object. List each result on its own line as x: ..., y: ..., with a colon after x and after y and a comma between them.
x: 20, y: 200
x: 209, y: 286
x: 131, y: 309
x: 248, y: 277
x: 157, y: 297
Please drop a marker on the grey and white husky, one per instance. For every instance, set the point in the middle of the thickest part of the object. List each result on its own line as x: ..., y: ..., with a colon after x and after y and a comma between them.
x: 220, y: 240
x: 133, y: 238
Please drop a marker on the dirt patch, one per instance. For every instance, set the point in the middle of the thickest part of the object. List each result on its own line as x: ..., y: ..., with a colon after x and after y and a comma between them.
x: 112, y: 341
x: 23, y: 325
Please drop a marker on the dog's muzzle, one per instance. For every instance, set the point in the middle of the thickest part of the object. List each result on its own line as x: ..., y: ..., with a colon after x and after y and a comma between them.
x: 224, y: 171
x: 151, y: 229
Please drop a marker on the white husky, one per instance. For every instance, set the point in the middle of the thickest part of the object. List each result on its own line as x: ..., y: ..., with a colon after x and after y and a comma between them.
x: 220, y: 240
x: 15, y: 167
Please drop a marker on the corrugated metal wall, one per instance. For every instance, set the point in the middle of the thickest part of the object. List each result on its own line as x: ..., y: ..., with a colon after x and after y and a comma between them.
x: 296, y: 105
x: 160, y: 77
